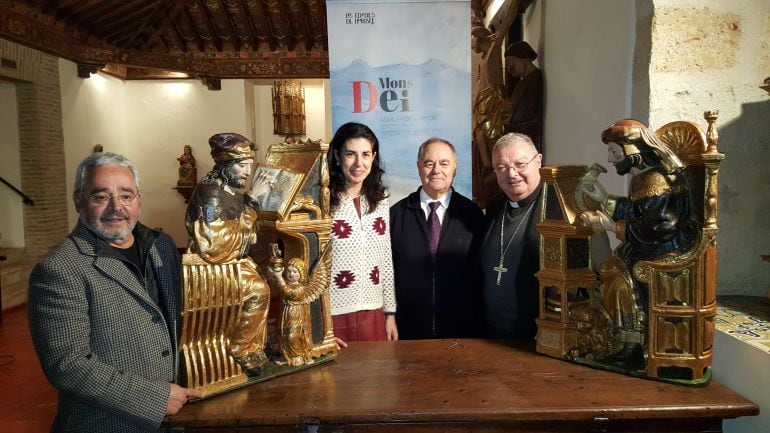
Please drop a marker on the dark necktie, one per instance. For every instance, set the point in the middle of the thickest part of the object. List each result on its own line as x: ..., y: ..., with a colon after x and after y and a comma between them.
x: 434, y: 226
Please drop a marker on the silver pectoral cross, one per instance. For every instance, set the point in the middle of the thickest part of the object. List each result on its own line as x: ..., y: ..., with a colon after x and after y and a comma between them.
x: 499, y: 269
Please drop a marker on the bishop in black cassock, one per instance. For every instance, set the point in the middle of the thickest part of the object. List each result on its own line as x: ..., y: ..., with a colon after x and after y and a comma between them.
x: 509, y: 256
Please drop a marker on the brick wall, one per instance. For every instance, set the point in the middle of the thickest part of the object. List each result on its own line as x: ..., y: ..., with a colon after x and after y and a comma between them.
x: 41, y: 149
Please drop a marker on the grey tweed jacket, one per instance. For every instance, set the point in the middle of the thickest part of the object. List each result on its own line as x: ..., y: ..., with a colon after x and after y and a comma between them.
x: 103, y: 343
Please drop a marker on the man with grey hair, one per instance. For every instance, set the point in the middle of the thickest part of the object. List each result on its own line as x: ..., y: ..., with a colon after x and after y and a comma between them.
x: 433, y: 235
x: 104, y: 306
x: 510, y: 254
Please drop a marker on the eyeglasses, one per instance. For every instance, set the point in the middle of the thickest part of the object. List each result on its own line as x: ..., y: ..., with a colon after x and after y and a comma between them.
x: 101, y: 198
x: 518, y: 166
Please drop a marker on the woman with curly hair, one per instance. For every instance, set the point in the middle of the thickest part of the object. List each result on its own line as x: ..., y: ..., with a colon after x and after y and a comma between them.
x: 362, y: 291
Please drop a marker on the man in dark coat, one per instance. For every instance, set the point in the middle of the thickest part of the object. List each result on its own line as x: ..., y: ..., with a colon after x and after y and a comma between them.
x: 433, y: 236
x: 509, y: 256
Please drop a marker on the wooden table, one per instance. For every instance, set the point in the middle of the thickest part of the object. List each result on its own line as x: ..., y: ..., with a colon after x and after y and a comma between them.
x: 461, y: 386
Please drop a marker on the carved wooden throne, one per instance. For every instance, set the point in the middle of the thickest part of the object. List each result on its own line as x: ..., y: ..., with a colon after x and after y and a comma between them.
x: 682, y: 287
x: 681, y: 311
x: 211, y: 307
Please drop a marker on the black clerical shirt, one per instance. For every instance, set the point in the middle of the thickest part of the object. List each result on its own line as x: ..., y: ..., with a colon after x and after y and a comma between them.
x: 511, y: 307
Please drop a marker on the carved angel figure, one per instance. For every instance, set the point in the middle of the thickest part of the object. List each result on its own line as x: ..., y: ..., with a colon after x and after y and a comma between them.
x: 297, y: 292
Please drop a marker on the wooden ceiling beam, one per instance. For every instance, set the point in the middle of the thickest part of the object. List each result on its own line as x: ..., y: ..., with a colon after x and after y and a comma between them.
x: 210, y: 26
x: 170, y: 15
x: 66, y: 8
x: 48, y: 7
x: 298, y: 15
x: 131, y: 40
x: 317, y: 17
x: 85, y: 22
x: 151, y: 18
x: 264, y: 23
x: 231, y: 26
x: 125, y: 24
x: 279, y: 23
x: 199, y: 42
x: 182, y: 41
x: 250, y: 25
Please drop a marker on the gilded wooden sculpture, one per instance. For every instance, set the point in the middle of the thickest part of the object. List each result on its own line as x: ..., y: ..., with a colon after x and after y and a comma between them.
x: 297, y: 291
x: 653, y: 314
x: 227, y: 338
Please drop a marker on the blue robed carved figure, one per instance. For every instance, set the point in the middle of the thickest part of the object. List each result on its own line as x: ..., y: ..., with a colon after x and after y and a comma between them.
x: 655, y: 219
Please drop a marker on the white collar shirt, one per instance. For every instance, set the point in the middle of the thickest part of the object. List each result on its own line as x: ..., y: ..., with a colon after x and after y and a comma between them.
x: 441, y: 210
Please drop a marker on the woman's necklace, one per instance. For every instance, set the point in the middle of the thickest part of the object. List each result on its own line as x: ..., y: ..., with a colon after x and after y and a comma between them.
x: 499, y: 268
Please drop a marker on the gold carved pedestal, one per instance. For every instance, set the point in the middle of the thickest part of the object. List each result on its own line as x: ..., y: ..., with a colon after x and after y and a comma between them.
x: 565, y: 277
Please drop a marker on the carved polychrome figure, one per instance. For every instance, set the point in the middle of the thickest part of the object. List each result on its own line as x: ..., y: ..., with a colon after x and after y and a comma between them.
x: 188, y: 174
x: 297, y: 292
x: 654, y: 314
x: 655, y: 219
x: 222, y: 224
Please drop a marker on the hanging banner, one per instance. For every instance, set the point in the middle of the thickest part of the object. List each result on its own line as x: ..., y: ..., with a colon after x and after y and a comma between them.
x: 403, y: 68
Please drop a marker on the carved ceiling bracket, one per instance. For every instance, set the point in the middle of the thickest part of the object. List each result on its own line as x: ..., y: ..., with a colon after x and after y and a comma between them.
x: 211, y: 83
x: 86, y: 69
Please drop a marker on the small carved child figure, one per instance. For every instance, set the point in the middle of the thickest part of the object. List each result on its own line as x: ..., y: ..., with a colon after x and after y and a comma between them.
x: 296, y: 295
x: 296, y: 337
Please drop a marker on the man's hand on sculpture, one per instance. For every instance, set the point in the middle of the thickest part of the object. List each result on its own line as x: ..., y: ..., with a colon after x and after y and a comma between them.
x: 262, y: 185
x: 178, y: 396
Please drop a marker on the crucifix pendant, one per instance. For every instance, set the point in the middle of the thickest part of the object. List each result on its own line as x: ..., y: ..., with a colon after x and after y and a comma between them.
x: 499, y: 269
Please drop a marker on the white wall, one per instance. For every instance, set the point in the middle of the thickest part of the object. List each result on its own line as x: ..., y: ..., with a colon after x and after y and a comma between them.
x: 11, y: 205
x: 161, y: 118
x: 586, y: 65
x: 151, y: 121
x: 93, y: 113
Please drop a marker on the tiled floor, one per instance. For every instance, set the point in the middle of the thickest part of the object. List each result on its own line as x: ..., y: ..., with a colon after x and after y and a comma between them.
x: 746, y: 318
x: 27, y: 400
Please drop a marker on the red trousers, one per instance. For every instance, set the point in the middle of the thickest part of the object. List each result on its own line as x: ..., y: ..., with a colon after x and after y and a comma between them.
x: 367, y: 325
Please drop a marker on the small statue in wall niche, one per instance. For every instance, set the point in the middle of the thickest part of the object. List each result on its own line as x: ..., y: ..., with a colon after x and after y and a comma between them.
x: 188, y: 174
x: 297, y: 292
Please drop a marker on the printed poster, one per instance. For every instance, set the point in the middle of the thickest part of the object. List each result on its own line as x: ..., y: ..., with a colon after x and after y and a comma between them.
x: 404, y: 69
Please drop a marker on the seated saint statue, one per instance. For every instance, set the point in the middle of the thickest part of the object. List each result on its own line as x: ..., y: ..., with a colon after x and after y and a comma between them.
x: 222, y: 225
x: 656, y: 219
